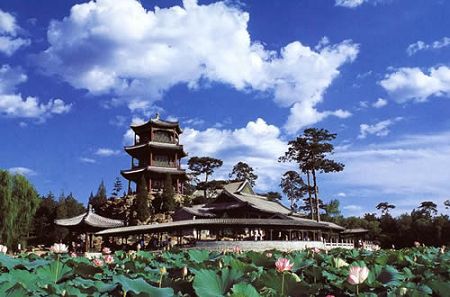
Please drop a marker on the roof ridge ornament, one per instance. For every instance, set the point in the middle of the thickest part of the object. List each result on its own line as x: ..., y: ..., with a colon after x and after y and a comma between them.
x: 157, y: 116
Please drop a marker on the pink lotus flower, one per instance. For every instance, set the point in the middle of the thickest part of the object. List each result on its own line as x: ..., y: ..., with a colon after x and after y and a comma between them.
x: 237, y: 250
x: 315, y: 250
x: 108, y: 259
x: 329, y: 295
x: 73, y: 254
x: 59, y: 248
x: 282, y: 264
x: 106, y: 250
x: 269, y: 255
x: 97, y: 262
x: 357, y: 275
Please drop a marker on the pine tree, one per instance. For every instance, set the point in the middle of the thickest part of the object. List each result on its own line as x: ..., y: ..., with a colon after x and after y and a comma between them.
x: 117, y: 187
x: 100, y: 198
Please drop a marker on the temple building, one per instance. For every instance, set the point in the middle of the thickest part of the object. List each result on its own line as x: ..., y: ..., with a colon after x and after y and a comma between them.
x: 156, y: 153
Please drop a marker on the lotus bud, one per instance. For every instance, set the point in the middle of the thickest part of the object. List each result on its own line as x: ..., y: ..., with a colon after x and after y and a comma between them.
x: 402, y: 291
x: 220, y: 264
x: 109, y: 259
x: 338, y: 263
x: 185, y: 271
x: 163, y: 270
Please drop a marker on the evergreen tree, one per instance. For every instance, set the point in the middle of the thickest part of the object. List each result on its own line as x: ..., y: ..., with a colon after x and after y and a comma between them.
x: 273, y: 196
x: 293, y: 186
x: 204, y: 165
x: 43, y: 222
x: 168, y: 194
x: 99, y: 199
x: 68, y: 207
x: 117, y: 187
x: 141, y: 205
x: 384, y: 207
x: 242, y: 171
x: 310, y: 152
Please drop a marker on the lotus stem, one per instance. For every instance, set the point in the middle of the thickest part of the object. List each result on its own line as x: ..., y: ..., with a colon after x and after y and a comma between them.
x: 282, y: 284
x: 357, y: 290
x: 57, y: 268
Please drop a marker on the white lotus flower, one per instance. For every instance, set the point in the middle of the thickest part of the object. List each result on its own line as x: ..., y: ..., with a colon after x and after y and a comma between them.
x: 59, y: 248
x: 3, y: 249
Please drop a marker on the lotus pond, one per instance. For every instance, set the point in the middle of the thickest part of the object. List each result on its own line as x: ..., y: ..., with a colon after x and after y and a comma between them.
x: 409, y: 272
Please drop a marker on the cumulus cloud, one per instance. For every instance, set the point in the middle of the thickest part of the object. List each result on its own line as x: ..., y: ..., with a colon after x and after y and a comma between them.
x: 413, y: 84
x: 120, y: 48
x: 380, y: 103
x: 107, y: 152
x: 22, y: 171
x: 258, y: 143
x: 14, y: 105
x: 422, y: 46
x: 378, y: 129
x: 9, y: 31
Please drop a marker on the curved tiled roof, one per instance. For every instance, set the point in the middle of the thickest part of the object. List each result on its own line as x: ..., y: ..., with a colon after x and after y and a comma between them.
x: 157, y: 123
x: 91, y: 219
x: 128, y: 174
x: 215, y: 222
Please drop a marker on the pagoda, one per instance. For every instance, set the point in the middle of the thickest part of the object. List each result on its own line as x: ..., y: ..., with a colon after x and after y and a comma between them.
x: 155, y: 153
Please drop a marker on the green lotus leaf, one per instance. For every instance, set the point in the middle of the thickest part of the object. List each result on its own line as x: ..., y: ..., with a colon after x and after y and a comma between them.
x: 198, y: 256
x: 208, y: 283
x: 86, y: 270
x: 54, y: 272
x: 244, y: 290
x: 140, y: 286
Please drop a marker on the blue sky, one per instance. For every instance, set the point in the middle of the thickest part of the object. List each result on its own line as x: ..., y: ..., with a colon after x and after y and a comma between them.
x: 242, y: 78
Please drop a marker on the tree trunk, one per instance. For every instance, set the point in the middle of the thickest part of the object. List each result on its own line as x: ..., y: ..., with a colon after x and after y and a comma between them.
x: 311, y: 204
x: 316, y: 194
x: 204, y: 190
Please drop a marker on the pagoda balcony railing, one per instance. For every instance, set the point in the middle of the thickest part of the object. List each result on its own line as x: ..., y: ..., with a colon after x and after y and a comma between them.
x: 164, y: 164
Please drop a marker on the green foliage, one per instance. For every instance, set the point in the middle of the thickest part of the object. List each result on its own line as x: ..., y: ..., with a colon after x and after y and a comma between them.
x: 141, y: 204
x: 407, y: 272
x: 293, y: 186
x: 99, y: 199
x: 168, y: 194
x: 203, y: 165
x: 242, y: 171
x: 18, y: 203
x: 117, y: 187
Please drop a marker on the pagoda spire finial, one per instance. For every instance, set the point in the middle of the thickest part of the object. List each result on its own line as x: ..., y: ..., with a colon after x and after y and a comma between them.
x: 157, y: 116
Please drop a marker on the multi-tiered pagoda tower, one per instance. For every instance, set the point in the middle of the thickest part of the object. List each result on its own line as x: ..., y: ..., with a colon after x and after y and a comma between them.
x: 156, y: 152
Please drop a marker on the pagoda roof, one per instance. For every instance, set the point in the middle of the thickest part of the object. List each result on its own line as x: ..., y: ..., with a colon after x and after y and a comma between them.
x: 216, y: 223
x: 156, y: 122
x: 134, y: 150
x: 89, y: 220
x: 134, y: 174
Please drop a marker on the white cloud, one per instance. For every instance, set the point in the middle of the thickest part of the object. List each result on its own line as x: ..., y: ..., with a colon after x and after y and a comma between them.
x: 341, y: 194
x: 349, y: 3
x: 9, y: 30
x: 14, y: 105
x: 122, y: 49
x: 106, y: 152
x: 380, y: 103
x: 87, y: 160
x: 259, y: 144
x: 406, y: 171
x: 22, y: 171
x: 412, y: 84
x: 378, y: 129
x: 422, y: 46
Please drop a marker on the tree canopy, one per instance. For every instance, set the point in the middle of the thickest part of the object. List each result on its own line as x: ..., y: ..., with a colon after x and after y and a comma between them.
x: 204, y: 165
x: 243, y: 171
x: 310, y: 151
x: 18, y: 203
